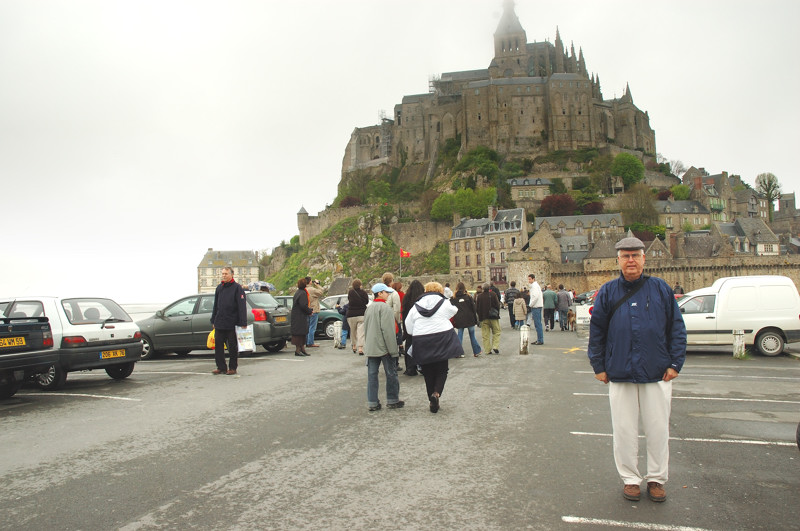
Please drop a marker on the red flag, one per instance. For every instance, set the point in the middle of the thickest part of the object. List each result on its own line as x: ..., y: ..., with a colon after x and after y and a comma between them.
x: 404, y: 254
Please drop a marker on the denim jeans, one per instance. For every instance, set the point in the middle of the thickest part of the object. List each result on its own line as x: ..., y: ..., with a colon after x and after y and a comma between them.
x: 476, y: 347
x: 344, y: 336
x: 392, y: 383
x: 312, y: 328
x: 536, y: 315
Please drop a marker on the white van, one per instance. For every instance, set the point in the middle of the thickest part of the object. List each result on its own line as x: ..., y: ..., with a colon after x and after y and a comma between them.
x: 767, y: 308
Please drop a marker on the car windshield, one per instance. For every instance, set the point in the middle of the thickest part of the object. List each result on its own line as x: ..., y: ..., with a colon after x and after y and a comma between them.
x: 94, y: 311
x: 261, y: 299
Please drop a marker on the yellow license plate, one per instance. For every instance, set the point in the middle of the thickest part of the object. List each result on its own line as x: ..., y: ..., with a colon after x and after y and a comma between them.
x: 12, y: 342
x: 106, y: 354
x: 280, y: 319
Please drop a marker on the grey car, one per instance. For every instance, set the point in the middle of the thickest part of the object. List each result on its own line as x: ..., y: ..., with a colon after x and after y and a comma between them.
x: 184, y: 325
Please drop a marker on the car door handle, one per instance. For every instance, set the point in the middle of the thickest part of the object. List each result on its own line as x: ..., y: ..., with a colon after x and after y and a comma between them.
x: 187, y: 318
x: 710, y: 317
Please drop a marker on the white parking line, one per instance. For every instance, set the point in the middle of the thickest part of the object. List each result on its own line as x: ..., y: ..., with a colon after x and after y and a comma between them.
x: 697, y: 439
x: 173, y: 372
x: 737, y: 376
x: 628, y: 525
x: 81, y: 394
x: 712, y: 398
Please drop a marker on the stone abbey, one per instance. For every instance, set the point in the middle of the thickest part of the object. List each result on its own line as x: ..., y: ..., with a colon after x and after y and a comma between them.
x: 532, y: 99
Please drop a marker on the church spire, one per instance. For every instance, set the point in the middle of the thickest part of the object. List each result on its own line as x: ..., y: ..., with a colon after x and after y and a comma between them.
x: 559, y: 53
x: 509, y: 37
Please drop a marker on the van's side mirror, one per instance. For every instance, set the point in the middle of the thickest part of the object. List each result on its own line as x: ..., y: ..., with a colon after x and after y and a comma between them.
x: 160, y: 314
x: 683, y: 310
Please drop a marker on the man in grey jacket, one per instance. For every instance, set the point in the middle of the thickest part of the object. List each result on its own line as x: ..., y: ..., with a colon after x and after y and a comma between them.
x: 380, y: 346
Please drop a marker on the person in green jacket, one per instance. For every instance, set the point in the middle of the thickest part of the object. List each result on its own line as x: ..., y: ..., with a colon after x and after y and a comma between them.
x: 380, y: 346
x: 550, y: 299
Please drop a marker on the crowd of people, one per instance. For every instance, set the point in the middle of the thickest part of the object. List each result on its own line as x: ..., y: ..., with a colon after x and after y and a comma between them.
x: 426, y: 324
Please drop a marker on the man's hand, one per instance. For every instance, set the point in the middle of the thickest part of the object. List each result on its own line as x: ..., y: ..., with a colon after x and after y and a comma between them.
x: 671, y: 374
x: 602, y: 376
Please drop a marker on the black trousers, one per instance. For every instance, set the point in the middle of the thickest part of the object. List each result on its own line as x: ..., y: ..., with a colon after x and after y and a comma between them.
x: 549, y: 317
x: 435, y: 376
x: 221, y: 337
x: 511, y: 318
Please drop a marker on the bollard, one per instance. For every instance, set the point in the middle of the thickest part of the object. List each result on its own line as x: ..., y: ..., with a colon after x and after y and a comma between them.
x: 738, y: 344
x: 524, y: 330
x: 337, y: 334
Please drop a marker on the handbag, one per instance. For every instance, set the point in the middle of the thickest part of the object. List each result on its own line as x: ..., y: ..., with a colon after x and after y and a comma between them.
x: 244, y: 337
x: 211, y: 342
x: 494, y: 313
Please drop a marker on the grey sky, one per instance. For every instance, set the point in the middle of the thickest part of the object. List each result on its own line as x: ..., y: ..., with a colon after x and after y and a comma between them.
x: 136, y: 134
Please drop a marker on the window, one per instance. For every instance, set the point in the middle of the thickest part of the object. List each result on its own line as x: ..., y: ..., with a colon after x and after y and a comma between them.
x: 479, y: 275
x: 477, y: 259
x: 184, y: 307
x: 503, y: 256
x: 477, y: 245
x: 768, y: 248
x: 513, y: 242
x: 458, y: 261
x: 502, y: 243
x: 578, y: 229
x: 701, y: 304
x: 466, y: 246
x: 467, y: 261
x: 491, y: 258
x: 491, y: 243
x: 455, y: 246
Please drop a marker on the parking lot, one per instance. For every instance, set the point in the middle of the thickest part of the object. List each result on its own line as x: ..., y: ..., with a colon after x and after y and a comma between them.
x: 520, y: 442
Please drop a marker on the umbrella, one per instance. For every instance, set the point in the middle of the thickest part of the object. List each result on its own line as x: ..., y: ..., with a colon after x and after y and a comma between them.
x: 259, y: 284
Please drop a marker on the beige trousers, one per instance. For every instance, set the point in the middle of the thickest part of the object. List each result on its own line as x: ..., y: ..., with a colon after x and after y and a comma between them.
x: 356, y: 325
x: 651, y: 401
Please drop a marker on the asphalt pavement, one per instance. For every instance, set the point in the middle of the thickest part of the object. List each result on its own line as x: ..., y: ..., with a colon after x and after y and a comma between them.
x: 520, y: 442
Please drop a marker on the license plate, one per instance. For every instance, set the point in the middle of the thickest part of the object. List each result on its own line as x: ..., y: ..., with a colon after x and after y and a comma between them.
x: 12, y: 342
x: 280, y: 319
x: 107, y: 354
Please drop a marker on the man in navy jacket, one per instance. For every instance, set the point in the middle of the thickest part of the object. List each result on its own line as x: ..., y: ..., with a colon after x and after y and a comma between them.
x: 638, y: 347
x: 230, y: 311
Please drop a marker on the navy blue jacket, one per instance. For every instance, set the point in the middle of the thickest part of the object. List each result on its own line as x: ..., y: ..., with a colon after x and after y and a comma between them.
x: 645, y: 337
x: 230, y: 306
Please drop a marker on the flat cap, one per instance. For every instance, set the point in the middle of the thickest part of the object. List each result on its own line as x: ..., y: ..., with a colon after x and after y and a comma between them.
x: 629, y: 244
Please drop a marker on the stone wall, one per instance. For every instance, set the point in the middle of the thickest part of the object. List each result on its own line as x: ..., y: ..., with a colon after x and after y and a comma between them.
x: 420, y: 236
x: 691, y: 273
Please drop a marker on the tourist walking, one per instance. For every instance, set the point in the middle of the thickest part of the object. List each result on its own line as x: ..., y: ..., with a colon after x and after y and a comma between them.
x: 549, y: 299
x: 300, y: 312
x: 229, y: 311
x: 380, y: 347
x: 637, y: 345
x: 488, y: 309
x: 357, y: 301
x: 415, y: 291
x: 314, y: 293
x: 466, y: 318
x: 520, y: 312
x: 434, y: 340
x: 562, y: 305
x: 511, y: 295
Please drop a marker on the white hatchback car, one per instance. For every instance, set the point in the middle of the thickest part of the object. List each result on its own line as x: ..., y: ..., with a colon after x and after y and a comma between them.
x: 89, y: 333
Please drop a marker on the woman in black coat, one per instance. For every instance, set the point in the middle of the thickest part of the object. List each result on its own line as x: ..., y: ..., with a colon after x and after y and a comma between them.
x: 357, y: 300
x: 414, y: 292
x: 300, y: 312
x: 466, y: 317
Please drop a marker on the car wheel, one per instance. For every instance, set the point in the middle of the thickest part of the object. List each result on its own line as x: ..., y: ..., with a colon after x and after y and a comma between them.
x: 148, y: 352
x: 121, y: 371
x: 769, y: 343
x: 328, y: 327
x: 275, y: 346
x: 8, y: 385
x: 53, y: 378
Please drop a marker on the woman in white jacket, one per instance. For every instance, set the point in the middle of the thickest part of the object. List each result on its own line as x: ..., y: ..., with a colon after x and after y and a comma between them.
x: 434, y: 340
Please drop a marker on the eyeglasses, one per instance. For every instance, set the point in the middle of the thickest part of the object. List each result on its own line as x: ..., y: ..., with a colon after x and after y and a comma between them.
x: 628, y: 256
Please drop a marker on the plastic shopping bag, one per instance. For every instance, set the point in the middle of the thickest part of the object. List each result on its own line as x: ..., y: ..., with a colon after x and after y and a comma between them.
x: 244, y: 336
x: 210, y: 342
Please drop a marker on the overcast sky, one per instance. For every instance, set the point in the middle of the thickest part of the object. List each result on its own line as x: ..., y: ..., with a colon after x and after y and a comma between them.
x: 136, y: 134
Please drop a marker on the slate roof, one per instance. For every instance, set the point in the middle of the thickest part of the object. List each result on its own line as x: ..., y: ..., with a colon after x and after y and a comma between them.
x: 754, y: 229
x: 586, y: 219
x: 680, y: 207
x: 511, y: 220
x: 529, y: 181
x: 700, y: 244
x: 234, y: 259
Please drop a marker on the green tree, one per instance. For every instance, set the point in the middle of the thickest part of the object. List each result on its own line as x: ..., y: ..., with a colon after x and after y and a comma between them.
x: 629, y: 167
x: 557, y: 187
x: 443, y: 207
x: 767, y: 185
x: 680, y: 192
x: 636, y: 206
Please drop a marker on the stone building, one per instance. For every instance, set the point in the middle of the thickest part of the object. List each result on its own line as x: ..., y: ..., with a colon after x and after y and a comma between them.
x: 244, y: 263
x: 532, y: 98
x: 675, y: 215
x: 479, y: 247
x: 593, y: 225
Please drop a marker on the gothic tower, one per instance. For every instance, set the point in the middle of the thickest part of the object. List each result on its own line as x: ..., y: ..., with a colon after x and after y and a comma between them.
x: 510, y: 55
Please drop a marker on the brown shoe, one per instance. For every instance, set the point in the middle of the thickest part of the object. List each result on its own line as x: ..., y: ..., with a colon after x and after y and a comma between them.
x: 631, y: 492
x: 656, y: 492
x: 231, y: 371
x: 217, y: 371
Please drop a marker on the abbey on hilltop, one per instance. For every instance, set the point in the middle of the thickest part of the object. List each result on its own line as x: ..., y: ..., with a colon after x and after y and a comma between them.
x: 533, y: 98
